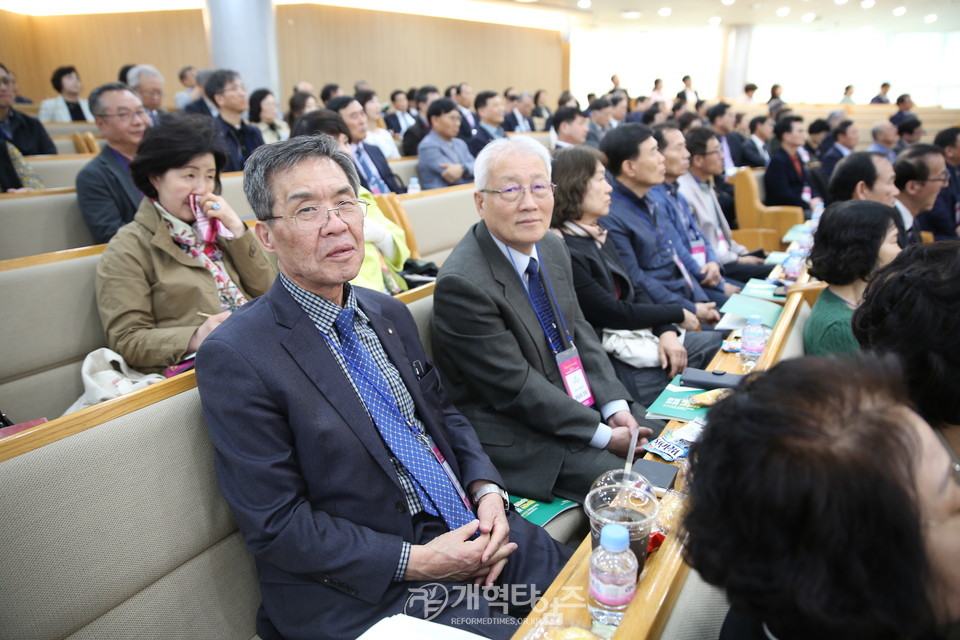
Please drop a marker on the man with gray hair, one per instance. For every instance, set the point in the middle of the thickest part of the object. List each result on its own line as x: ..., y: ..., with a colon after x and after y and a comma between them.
x: 884, y: 138
x: 523, y: 364
x: 359, y: 488
x: 147, y: 83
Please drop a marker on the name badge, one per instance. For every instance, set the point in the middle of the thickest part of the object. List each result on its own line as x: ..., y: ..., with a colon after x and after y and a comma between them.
x: 698, y: 249
x: 574, y: 378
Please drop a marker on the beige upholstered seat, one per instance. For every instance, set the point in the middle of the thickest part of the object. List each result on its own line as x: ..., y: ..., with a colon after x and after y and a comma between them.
x: 119, y: 531
x: 50, y: 324
x: 440, y: 218
x: 40, y: 223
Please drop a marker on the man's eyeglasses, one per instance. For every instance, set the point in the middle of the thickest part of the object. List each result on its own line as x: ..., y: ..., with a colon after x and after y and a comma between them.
x: 314, y: 217
x: 125, y: 116
x: 514, y: 192
x: 709, y: 153
x: 944, y: 178
x: 6, y: 81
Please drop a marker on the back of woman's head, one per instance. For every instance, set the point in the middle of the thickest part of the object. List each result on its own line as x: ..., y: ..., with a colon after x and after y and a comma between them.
x: 912, y: 308
x: 847, y: 241
x: 572, y: 169
x: 171, y: 144
x: 802, y: 502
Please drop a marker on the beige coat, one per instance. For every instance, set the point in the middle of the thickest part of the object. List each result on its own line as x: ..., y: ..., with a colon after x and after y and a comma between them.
x: 149, y: 290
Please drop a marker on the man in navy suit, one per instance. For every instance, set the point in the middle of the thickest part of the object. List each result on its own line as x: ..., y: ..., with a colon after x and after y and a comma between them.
x: 105, y: 191
x: 401, y: 119
x: 374, y: 170
x: 518, y: 119
x: 845, y: 138
x: 490, y: 126
x: 786, y: 176
x: 645, y: 237
x: 347, y: 468
x: 723, y: 119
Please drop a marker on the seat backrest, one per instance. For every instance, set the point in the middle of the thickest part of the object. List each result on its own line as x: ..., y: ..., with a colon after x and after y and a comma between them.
x: 68, y: 128
x: 50, y: 323
x: 65, y: 144
x: 41, y: 222
x: 420, y: 303
x: 746, y: 198
x: 405, y: 167
x: 59, y: 170
x: 231, y: 185
x: 440, y: 218
x: 114, y: 526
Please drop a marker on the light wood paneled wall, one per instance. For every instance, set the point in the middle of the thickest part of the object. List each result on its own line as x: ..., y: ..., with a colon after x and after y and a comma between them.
x: 98, y: 45
x: 392, y: 50
x: 316, y: 43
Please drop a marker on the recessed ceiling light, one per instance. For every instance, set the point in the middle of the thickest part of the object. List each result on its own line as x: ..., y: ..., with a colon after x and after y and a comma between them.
x: 930, y: 19
x: 783, y: 12
x: 899, y: 11
x: 584, y: 4
x: 714, y: 21
x: 664, y: 12
x: 630, y: 15
x: 808, y: 17
x: 868, y: 4
x: 727, y: 2
x: 840, y: 1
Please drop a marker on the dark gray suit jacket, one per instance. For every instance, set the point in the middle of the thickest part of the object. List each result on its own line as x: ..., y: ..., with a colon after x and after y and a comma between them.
x: 106, y: 195
x: 499, y: 369
x: 308, y: 477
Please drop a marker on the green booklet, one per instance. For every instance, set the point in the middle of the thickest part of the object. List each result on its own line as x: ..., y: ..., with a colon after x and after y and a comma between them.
x: 540, y: 513
x: 794, y: 233
x: 674, y: 404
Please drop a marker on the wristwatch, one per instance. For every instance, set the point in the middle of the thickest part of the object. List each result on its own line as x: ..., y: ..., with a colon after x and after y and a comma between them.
x: 490, y: 487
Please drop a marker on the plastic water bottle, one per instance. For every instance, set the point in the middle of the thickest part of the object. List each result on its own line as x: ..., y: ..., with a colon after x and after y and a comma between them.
x: 613, y: 576
x: 805, y: 242
x: 753, y: 342
x: 793, y: 266
x: 413, y: 186
x: 815, y: 217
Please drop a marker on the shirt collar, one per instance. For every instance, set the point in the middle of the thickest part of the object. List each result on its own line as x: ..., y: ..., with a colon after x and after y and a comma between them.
x: 321, y: 311
x: 496, y: 132
x: 518, y: 259
x: 904, y: 213
x: 842, y: 149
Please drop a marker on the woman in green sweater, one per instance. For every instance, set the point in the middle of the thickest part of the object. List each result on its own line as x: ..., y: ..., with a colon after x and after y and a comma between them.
x: 854, y: 239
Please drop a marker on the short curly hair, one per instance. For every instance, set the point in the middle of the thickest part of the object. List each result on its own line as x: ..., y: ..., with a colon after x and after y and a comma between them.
x: 57, y: 78
x: 794, y: 495
x: 171, y: 144
x: 848, y: 239
x: 912, y: 308
x: 572, y: 169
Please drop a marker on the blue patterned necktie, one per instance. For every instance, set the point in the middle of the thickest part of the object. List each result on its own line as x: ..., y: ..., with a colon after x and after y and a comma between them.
x: 377, y: 185
x: 433, y: 486
x: 541, y: 305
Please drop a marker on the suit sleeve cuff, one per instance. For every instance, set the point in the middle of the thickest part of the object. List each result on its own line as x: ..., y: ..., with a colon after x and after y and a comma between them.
x: 401, y: 571
x: 612, y: 407
x: 601, y: 437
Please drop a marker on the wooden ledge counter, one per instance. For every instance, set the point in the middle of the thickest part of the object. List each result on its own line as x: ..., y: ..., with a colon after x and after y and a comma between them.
x: 664, y: 573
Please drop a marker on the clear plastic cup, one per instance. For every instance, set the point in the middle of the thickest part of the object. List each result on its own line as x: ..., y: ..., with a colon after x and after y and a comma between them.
x: 632, y: 505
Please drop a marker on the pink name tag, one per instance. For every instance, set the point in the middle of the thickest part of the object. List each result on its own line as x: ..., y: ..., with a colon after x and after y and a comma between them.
x: 574, y: 378
x: 698, y: 250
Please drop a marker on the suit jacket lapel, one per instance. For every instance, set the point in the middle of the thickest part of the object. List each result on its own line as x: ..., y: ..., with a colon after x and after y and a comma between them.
x: 120, y: 174
x: 308, y: 349
x: 514, y: 293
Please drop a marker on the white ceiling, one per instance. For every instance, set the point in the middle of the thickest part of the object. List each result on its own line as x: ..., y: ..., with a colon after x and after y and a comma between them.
x: 829, y: 14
